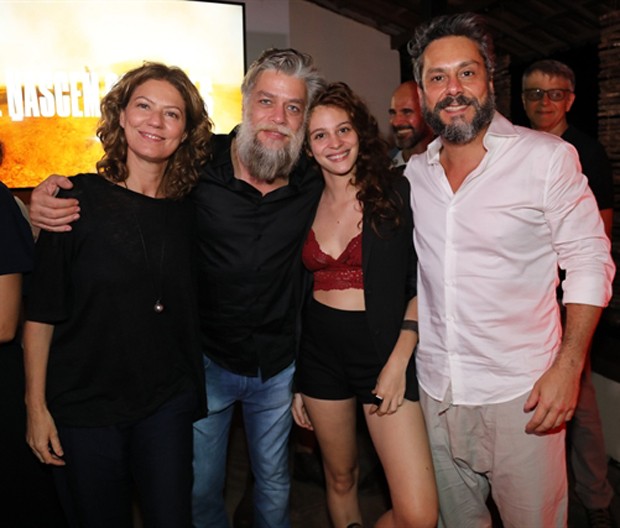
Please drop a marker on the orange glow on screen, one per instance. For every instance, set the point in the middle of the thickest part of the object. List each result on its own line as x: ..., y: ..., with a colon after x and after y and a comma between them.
x: 60, y: 57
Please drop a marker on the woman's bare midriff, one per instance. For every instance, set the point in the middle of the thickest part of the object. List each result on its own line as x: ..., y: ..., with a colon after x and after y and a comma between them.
x: 351, y: 299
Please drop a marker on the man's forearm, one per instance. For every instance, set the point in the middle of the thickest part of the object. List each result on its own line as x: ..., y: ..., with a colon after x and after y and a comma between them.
x: 581, y: 321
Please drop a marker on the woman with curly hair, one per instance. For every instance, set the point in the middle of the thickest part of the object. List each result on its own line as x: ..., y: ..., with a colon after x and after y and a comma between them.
x: 113, y: 365
x: 360, y: 327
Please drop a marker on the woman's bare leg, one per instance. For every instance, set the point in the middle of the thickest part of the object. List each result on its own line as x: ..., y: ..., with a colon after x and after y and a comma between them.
x: 402, y: 445
x: 334, y: 424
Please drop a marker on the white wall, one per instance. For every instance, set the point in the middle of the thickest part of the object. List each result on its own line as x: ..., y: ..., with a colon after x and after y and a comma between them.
x: 266, y: 26
x: 348, y: 51
x: 344, y: 50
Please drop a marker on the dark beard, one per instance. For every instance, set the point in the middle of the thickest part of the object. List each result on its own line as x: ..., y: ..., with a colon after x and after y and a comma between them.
x: 263, y: 163
x: 404, y: 143
x: 459, y: 131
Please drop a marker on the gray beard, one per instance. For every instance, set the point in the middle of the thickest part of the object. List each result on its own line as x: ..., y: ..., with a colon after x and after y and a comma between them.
x: 263, y: 163
x: 459, y: 131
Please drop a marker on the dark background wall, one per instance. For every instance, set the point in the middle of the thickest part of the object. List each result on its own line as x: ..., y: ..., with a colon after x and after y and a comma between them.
x: 584, y: 62
x: 584, y: 113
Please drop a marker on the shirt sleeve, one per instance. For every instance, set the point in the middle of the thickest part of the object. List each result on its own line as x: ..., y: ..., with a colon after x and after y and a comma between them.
x: 412, y: 266
x: 49, y: 300
x: 16, y: 243
x: 577, y: 231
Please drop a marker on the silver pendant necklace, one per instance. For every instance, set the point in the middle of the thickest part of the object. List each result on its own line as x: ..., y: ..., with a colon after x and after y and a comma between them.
x: 158, y: 307
x: 156, y: 283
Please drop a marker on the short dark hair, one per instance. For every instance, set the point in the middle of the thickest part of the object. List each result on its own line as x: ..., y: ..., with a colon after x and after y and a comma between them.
x: 468, y: 25
x: 552, y: 68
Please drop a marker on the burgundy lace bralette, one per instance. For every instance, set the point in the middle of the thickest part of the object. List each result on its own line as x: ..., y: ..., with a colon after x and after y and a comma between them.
x: 329, y: 273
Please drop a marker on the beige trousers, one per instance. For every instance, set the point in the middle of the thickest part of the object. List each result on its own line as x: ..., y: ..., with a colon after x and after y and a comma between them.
x: 482, y: 449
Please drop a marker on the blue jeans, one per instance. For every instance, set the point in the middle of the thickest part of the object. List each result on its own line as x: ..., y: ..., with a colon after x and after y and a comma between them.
x: 267, y: 418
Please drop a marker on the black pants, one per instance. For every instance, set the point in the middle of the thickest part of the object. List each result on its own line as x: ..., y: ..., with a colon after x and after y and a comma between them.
x: 105, y: 464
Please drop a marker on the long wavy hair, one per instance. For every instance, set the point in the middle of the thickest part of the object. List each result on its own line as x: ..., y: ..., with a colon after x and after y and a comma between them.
x: 182, y: 169
x: 373, y: 176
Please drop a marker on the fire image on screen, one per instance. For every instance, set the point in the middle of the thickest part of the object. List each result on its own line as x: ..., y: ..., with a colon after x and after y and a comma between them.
x: 59, y: 58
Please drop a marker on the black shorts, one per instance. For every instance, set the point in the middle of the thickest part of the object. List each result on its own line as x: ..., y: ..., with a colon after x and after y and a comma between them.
x: 338, y: 360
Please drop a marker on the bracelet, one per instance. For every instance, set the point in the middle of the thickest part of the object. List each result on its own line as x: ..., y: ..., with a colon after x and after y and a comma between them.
x: 410, y: 324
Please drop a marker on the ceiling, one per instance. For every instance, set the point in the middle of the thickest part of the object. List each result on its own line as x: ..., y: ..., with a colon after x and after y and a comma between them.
x: 523, y: 29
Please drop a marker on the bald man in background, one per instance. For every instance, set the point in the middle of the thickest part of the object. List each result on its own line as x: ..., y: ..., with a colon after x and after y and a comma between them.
x: 411, y: 133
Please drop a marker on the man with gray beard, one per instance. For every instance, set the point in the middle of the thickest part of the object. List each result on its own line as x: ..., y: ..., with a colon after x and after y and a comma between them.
x: 254, y: 205
x: 496, y: 209
x: 263, y: 163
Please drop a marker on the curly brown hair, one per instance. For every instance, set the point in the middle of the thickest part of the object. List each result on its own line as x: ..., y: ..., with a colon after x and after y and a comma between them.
x: 183, y: 167
x: 373, y: 175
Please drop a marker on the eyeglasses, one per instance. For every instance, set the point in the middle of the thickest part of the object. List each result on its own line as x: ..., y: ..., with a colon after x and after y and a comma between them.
x: 555, y: 94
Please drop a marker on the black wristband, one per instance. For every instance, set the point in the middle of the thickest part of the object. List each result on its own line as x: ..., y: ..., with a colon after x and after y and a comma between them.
x: 410, y: 324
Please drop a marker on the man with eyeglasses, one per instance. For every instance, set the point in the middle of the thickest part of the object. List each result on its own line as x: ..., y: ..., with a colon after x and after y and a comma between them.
x: 548, y: 94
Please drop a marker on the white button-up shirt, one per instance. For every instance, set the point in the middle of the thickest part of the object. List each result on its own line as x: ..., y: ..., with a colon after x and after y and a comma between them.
x: 488, y: 257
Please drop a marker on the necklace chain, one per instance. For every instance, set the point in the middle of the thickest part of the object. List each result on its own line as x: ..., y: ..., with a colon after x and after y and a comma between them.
x: 158, y: 307
x: 156, y: 282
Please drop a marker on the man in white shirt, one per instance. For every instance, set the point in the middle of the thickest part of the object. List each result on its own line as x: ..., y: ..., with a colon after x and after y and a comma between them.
x: 497, y: 208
